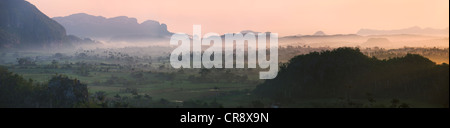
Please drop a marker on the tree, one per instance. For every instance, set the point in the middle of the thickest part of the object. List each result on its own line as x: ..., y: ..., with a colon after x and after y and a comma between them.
x: 148, y: 97
x: 58, y: 55
x: 100, y: 96
x: 66, y: 92
x: 15, y: 90
x: 25, y: 62
x: 54, y: 64
x: 83, y: 69
x: 117, y: 96
x: 204, y: 72
x: 60, y: 91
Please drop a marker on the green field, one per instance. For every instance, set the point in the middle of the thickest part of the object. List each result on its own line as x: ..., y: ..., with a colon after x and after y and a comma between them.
x: 150, y: 81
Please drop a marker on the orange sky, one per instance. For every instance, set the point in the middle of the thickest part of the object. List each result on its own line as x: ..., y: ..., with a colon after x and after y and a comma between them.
x: 286, y: 17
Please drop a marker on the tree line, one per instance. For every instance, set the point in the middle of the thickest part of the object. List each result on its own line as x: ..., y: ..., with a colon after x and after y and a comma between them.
x: 348, y: 73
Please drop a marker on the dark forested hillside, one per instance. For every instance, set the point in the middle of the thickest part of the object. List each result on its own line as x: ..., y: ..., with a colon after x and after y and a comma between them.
x: 348, y: 73
x: 22, y: 24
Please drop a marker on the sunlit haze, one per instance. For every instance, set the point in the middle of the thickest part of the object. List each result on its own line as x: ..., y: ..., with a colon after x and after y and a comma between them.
x: 224, y: 54
x: 287, y: 17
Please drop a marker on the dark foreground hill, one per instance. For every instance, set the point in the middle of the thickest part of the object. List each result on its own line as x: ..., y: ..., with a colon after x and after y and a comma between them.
x: 346, y: 73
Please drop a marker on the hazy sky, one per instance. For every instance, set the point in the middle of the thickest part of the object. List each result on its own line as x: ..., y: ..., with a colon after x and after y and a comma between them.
x: 286, y: 17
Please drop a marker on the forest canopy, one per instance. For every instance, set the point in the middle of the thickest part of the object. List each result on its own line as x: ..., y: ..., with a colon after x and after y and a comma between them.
x: 60, y: 91
x: 349, y: 74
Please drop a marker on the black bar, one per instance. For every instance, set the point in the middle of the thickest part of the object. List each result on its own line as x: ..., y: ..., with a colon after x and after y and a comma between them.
x: 171, y: 117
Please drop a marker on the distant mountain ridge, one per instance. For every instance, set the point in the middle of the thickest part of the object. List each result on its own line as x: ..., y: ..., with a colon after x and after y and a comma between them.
x: 120, y: 28
x: 320, y: 33
x: 411, y: 30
